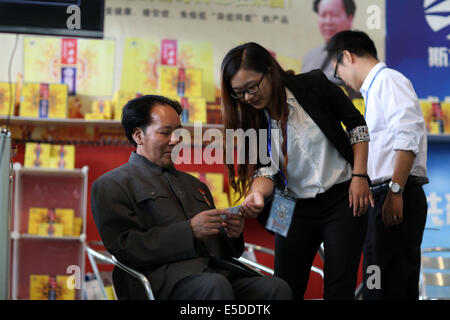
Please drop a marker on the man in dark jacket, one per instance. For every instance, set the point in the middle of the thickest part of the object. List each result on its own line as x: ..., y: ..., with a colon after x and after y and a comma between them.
x: 162, y: 222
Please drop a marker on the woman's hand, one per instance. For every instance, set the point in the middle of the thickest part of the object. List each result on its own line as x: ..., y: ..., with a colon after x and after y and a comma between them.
x: 360, y: 196
x: 253, y: 205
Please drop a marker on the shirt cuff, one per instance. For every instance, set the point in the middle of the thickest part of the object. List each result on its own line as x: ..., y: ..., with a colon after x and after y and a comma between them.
x: 359, y: 134
x: 265, y: 172
x: 403, y: 143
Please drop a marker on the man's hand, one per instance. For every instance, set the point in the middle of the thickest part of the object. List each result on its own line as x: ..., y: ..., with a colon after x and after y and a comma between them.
x: 253, y: 205
x: 234, y: 224
x: 360, y: 196
x: 392, y: 212
x: 207, y: 223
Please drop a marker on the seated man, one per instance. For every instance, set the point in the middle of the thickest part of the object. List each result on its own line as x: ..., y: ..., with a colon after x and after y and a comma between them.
x: 163, y: 223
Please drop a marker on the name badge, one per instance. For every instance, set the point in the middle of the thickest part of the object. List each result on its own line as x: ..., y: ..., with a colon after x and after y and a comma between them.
x: 280, y: 216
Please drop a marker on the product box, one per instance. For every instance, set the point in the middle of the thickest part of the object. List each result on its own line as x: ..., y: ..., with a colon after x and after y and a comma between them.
x: 182, y: 82
x: 120, y: 99
x: 7, y: 102
x: 45, y: 287
x: 66, y: 218
x: 36, y: 217
x: 77, y: 226
x: 51, y: 229
x: 445, y: 106
x: 427, y: 110
x: 197, y: 109
x: 37, y: 155
x: 54, y: 222
x: 103, y: 108
x: 42, y: 100
x: 62, y: 157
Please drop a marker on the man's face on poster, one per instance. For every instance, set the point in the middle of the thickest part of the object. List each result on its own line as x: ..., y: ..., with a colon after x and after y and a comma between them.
x: 333, y: 18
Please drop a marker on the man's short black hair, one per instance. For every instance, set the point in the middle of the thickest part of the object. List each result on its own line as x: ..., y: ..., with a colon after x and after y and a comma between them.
x: 356, y: 42
x: 136, y: 113
x: 349, y: 6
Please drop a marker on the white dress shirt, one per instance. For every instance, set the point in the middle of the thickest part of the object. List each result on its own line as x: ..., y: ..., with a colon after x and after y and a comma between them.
x: 314, y: 164
x: 395, y: 122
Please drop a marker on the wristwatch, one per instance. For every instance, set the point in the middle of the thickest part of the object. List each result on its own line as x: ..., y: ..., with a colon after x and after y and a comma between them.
x: 395, y: 187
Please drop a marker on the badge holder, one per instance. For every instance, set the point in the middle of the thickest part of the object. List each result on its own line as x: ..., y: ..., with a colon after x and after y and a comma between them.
x: 281, y: 213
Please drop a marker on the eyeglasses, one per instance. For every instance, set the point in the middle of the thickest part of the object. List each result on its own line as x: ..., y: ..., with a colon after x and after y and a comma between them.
x: 254, y: 88
x: 338, y: 60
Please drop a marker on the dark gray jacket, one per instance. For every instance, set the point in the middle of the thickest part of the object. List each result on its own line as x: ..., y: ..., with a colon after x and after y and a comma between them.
x: 145, y: 223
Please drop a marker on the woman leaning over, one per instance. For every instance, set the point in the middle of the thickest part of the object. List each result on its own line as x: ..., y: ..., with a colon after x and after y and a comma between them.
x: 322, y: 172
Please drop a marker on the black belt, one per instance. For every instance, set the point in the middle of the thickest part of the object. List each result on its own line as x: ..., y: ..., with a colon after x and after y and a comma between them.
x: 411, y: 180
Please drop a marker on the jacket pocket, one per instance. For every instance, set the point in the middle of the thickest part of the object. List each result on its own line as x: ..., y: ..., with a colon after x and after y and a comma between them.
x: 156, y: 208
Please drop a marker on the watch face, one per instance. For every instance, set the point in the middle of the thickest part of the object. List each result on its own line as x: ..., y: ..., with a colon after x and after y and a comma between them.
x: 395, y: 187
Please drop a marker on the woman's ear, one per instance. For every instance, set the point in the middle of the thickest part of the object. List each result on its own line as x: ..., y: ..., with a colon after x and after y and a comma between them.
x: 138, y: 135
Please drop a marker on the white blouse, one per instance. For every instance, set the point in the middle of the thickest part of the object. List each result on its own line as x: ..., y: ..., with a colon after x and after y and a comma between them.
x: 314, y: 164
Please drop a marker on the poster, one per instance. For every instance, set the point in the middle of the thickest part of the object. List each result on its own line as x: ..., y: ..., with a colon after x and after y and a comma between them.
x: 418, y: 44
x: 86, y: 66
x: 143, y: 57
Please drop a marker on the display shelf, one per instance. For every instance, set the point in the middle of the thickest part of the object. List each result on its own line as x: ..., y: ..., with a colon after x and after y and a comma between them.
x: 439, y: 137
x: 82, y: 122
x: 35, y: 252
x: 15, y: 236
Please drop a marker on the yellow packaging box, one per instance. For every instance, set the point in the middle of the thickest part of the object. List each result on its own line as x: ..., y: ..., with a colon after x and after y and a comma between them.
x: 197, y: 110
x: 36, y: 216
x: 169, y: 82
x: 120, y: 99
x: 77, y: 226
x: 45, y: 228
x: 31, y: 100
x: 194, y: 85
x: 214, y: 181
x: 221, y: 200
x: 39, y: 288
x: 58, y: 101
x: 66, y: 218
x: 6, y: 100
x: 64, y: 293
x: 445, y: 106
x: 62, y: 157
x: 103, y: 108
x: 37, y: 155
x: 427, y: 110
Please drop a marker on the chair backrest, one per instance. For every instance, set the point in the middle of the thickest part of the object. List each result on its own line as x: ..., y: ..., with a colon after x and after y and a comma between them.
x: 108, y: 258
x: 435, y: 273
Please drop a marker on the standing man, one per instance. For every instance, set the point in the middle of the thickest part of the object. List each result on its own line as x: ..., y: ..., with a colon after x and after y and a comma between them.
x: 162, y: 222
x: 396, y: 165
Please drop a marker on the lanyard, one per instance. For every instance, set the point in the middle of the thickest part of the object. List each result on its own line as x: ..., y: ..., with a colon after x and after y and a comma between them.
x: 269, y: 149
x: 370, y: 86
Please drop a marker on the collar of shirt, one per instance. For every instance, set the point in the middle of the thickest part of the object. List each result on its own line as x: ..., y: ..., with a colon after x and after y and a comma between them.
x: 366, y: 84
x: 139, y: 160
x: 290, y: 99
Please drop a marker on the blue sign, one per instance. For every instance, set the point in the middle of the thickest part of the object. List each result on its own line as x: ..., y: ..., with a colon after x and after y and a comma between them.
x: 418, y: 44
x: 437, y: 232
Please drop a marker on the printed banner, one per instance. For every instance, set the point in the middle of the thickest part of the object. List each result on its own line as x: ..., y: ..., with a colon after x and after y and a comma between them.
x: 86, y: 66
x: 423, y: 57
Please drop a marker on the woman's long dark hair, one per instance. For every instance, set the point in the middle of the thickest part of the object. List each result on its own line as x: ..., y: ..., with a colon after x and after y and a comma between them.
x: 238, y: 114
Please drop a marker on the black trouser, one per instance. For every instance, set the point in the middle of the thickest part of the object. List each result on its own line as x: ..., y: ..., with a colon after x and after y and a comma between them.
x: 395, y: 250
x: 328, y: 219
x: 216, y: 286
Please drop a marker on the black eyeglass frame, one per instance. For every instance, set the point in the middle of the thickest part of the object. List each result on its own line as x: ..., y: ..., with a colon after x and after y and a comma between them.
x: 338, y: 60
x: 254, y: 88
